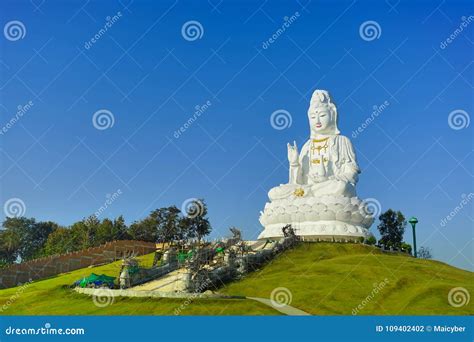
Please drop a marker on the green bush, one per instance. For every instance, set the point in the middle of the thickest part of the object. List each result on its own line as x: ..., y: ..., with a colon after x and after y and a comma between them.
x: 371, y: 240
x: 406, y: 247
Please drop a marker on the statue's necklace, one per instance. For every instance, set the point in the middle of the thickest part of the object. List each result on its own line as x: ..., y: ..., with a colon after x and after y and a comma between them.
x: 318, y: 147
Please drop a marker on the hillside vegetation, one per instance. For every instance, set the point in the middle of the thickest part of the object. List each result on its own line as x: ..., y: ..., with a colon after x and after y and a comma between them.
x: 334, y: 279
x: 319, y: 278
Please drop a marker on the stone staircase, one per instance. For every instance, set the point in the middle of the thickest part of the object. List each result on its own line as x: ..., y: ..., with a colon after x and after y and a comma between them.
x: 174, y: 281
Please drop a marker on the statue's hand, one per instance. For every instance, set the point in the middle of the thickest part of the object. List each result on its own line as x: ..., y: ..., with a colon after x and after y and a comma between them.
x: 319, y: 178
x: 293, y: 154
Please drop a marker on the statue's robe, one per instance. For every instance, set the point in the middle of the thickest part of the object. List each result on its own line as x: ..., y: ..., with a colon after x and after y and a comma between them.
x: 340, y: 172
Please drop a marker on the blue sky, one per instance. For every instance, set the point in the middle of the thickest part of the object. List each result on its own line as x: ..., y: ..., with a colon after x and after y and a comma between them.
x: 150, y: 78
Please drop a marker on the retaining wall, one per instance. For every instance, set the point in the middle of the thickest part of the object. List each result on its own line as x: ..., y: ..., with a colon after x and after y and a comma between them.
x: 17, y: 274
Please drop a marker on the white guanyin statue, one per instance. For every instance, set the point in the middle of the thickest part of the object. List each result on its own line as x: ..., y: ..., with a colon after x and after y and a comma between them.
x: 320, y: 200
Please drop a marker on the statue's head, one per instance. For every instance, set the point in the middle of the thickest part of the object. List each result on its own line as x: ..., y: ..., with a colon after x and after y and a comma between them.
x: 322, y: 114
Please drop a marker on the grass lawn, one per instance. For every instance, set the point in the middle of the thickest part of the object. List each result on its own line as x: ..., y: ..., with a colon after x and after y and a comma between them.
x: 333, y: 279
x: 52, y: 297
x: 323, y: 279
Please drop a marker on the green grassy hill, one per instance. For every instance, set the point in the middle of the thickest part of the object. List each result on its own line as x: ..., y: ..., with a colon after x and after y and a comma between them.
x: 333, y: 279
x: 52, y: 297
x: 322, y: 278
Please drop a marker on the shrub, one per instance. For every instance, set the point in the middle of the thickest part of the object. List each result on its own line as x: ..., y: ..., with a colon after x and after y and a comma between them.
x: 371, y: 240
x: 406, y: 247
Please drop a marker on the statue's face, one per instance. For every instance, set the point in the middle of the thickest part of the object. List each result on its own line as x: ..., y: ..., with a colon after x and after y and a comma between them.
x: 320, y: 120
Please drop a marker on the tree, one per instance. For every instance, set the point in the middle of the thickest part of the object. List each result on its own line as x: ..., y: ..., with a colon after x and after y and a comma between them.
x: 391, y: 227
x: 120, y: 229
x: 195, y: 222
x: 60, y: 242
x: 144, y: 230
x: 162, y: 225
x: 24, y: 238
x: 9, y: 247
x: 86, y: 233
x: 91, y: 225
x: 105, y: 232
x: 37, y: 239
x: 424, y: 253
x: 79, y: 237
x: 18, y: 236
x: 100, y: 232
x: 168, y: 224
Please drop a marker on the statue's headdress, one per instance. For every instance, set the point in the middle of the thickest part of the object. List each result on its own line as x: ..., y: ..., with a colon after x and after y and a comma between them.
x: 322, y: 98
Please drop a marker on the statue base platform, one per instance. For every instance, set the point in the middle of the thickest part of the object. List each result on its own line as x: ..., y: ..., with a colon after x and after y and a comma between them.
x: 325, y: 218
x: 318, y: 231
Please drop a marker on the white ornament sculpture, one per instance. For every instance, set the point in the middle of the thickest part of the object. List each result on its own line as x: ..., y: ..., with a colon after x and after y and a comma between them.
x: 320, y: 200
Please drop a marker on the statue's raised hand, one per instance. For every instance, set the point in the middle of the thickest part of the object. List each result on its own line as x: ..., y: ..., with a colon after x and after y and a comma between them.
x: 293, y: 153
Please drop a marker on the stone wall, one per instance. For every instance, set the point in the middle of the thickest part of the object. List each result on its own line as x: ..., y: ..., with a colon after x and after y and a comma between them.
x: 235, y: 266
x: 147, y: 274
x: 50, y: 266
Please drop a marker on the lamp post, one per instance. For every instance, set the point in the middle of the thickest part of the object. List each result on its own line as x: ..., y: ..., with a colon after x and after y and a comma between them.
x: 413, y: 221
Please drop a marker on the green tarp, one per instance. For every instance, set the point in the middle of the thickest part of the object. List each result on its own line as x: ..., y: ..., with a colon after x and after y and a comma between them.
x: 182, y: 256
x: 97, y: 280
